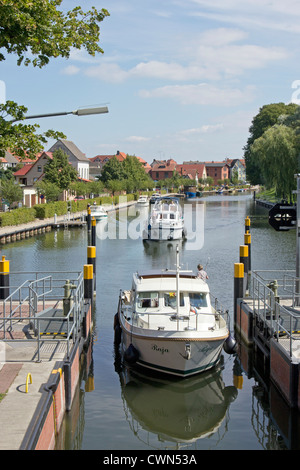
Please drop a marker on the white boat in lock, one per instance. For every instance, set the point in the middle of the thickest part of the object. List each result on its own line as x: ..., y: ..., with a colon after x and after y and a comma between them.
x: 143, y: 201
x: 98, y: 212
x: 167, y: 323
x: 165, y: 221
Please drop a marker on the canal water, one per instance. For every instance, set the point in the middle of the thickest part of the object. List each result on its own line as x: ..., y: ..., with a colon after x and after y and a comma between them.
x: 118, y: 409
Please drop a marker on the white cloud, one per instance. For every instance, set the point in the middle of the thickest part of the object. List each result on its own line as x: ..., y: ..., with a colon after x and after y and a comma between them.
x: 266, y: 14
x: 136, y: 138
x: 71, y: 70
x: 205, y: 129
x: 202, y: 94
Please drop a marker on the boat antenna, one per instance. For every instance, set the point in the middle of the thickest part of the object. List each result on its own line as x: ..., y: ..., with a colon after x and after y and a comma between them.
x: 207, y: 262
x: 177, y: 279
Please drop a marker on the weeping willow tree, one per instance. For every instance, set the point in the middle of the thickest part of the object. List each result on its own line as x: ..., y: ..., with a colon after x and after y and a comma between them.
x: 276, y: 150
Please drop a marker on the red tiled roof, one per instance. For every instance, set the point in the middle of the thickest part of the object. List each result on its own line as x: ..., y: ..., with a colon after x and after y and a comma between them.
x: 24, y: 170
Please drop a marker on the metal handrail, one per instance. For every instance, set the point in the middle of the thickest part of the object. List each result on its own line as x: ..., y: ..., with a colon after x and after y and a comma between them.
x: 40, y: 290
x: 266, y: 304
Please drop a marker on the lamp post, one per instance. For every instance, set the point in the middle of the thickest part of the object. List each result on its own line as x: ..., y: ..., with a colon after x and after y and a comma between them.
x: 77, y: 112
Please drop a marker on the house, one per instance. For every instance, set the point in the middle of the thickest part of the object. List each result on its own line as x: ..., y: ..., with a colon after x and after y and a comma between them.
x: 217, y: 170
x: 28, y: 175
x: 98, y: 162
x: 193, y: 170
x: 162, y: 169
x: 34, y: 171
x: 237, y: 166
x: 9, y: 161
x: 77, y: 159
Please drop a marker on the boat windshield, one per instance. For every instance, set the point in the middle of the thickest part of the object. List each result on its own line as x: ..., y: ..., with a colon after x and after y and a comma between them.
x: 170, y: 299
x: 198, y: 299
x: 146, y: 300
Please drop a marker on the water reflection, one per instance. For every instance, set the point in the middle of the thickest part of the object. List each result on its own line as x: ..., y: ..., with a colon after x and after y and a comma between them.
x: 172, y: 413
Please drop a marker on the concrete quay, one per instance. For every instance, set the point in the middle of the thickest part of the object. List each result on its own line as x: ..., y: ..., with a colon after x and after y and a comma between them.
x: 17, y: 408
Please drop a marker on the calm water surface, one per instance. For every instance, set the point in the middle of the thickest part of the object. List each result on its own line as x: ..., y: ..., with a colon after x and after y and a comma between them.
x: 227, y: 408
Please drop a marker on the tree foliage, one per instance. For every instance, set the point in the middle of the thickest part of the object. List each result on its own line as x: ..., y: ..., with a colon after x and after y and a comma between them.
x: 129, y: 173
x: 59, y: 171
x: 36, y: 31
x: 278, y: 159
x: 44, y: 30
x: 22, y: 139
x: 266, y: 118
x: 10, y: 191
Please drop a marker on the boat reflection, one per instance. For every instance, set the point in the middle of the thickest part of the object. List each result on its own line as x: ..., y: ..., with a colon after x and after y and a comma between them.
x: 176, y: 412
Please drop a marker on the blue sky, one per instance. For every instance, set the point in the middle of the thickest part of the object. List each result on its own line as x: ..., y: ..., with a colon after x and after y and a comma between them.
x: 182, y: 78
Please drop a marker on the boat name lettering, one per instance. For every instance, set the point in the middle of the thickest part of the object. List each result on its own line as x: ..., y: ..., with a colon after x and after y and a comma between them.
x: 161, y: 350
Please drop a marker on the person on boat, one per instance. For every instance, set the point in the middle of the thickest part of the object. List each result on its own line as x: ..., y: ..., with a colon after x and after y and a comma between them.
x: 201, y: 273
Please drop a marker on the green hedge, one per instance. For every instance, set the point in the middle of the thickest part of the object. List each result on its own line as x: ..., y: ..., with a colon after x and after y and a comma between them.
x: 22, y: 215
x: 44, y: 211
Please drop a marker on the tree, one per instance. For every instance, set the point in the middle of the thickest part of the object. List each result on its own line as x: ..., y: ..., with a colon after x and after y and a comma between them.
x: 267, y: 117
x: 59, y: 171
x: 276, y: 151
x: 45, y: 31
x: 112, y: 170
x: 10, y: 191
x: 37, y: 31
x: 21, y: 139
x: 49, y: 190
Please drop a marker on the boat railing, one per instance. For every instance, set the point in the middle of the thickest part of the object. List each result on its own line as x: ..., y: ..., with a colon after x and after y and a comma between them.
x: 221, y: 312
x: 275, y: 299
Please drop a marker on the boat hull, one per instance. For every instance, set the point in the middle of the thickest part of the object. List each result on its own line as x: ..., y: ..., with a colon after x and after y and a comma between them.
x: 157, y: 233
x: 181, y: 356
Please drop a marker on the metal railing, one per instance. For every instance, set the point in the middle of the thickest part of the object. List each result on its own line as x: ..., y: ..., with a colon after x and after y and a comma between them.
x: 275, y: 301
x: 32, y: 297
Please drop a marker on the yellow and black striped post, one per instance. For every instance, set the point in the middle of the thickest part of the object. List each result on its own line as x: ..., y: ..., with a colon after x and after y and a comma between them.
x: 88, y: 281
x: 88, y: 218
x: 238, y: 285
x: 91, y: 259
x: 4, y: 278
x: 244, y: 258
x: 247, y: 225
x: 247, y: 241
x: 93, y: 240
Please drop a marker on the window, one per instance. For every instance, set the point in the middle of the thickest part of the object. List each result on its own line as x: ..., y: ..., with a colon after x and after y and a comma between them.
x: 198, y: 299
x: 147, y: 300
x: 170, y: 299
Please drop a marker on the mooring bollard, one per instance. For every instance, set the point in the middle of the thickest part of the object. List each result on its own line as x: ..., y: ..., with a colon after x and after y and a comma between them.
x: 247, y: 241
x: 91, y: 259
x: 4, y: 278
x: 247, y: 225
x: 88, y: 219
x: 88, y: 281
x: 93, y: 240
x: 238, y: 285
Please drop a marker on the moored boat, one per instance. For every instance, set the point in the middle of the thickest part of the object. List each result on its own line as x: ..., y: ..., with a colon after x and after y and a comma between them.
x: 165, y: 221
x: 167, y: 323
x: 98, y: 212
x: 143, y: 201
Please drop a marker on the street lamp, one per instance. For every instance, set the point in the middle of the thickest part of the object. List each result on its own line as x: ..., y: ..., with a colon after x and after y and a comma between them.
x: 77, y: 112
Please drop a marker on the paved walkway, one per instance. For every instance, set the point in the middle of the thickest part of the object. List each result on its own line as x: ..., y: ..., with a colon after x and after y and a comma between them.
x: 18, y: 407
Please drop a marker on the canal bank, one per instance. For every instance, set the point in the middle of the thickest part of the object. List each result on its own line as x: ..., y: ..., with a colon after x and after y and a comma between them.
x: 40, y: 367
x: 41, y: 346
x: 39, y: 226
x: 267, y: 317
